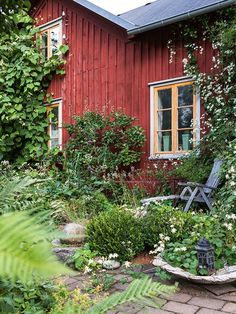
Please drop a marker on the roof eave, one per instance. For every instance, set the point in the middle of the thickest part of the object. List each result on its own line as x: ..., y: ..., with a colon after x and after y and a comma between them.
x: 179, y: 18
x: 105, y: 14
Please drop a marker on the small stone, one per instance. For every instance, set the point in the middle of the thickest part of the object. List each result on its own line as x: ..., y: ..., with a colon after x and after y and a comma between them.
x: 56, y: 242
x: 111, y: 264
x: 74, y: 229
x: 65, y: 254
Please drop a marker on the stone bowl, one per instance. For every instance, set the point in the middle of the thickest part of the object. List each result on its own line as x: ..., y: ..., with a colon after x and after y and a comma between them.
x: 222, y: 276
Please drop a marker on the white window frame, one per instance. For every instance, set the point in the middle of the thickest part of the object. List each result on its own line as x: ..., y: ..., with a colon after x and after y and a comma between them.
x: 60, y: 129
x: 52, y: 24
x: 165, y: 83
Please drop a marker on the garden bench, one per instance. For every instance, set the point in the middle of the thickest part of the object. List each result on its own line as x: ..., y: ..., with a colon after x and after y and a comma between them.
x: 194, y: 192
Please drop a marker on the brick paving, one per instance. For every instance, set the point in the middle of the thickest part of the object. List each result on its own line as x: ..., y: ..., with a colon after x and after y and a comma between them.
x: 190, y: 298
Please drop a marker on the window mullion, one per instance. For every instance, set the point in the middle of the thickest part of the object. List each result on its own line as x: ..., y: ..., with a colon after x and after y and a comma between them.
x: 155, y: 117
x: 174, y: 119
x: 49, y: 43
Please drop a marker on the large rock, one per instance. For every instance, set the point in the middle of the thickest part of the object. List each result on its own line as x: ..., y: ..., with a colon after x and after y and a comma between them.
x: 74, y: 234
x: 74, y: 229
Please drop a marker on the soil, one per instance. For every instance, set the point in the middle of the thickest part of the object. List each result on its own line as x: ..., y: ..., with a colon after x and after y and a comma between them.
x: 143, y: 259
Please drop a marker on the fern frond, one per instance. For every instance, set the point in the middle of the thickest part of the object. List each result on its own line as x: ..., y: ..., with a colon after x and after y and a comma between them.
x: 141, y: 291
x: 12, y: 188
x: 24, y: 253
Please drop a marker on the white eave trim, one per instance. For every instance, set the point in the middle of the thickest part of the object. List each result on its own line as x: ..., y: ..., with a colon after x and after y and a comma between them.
x: 50, y: 24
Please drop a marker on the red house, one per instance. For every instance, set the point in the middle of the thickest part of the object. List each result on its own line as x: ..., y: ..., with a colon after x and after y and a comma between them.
x: 123, y: 63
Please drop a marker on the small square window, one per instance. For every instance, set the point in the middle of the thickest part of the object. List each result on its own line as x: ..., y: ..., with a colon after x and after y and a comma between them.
x: 54, y: 125
x: 51, y: 40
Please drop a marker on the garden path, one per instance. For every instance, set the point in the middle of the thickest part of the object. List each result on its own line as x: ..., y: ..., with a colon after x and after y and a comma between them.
x: 190, y: 298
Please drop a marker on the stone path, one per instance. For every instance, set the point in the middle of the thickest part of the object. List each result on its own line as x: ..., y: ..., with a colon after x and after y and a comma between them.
x: 190, y: 299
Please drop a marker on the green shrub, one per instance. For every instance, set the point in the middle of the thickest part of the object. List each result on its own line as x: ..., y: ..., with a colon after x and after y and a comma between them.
x: 194, y: 168
x: 101, y: 146
x: 164, y: 220
x: 116, y: 231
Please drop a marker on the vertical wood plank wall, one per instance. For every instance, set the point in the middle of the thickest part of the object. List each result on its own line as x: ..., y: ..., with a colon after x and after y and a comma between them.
x: 105, y: 69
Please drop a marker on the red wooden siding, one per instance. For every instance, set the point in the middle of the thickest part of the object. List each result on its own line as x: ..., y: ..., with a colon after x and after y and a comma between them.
x: 105, y: 69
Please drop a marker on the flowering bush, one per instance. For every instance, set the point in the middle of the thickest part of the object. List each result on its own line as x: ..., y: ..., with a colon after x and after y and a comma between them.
x: 180, y: 250
x: 116, y: 231
x: 164, y: 223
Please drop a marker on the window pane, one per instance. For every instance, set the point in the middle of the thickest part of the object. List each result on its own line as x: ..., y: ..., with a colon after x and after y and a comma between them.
x: 54, y: 111
x: 54, y: 36
x: 164, y: 120
x: 164, y: 141
x: 54, y: 142
x: 164, y: 98
x: 44, y: 40
x: 45, y: 52
x: 185, y: 140
x: 185, y: 116
x: 54, y: 130
x: 185, y: 95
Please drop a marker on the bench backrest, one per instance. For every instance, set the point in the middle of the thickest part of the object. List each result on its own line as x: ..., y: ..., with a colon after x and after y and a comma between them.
x: 214, y: 177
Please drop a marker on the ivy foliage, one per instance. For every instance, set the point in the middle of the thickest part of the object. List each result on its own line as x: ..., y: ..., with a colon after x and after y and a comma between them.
x: 24, y: 78
x: 218, y: 91
x: 7, y: 10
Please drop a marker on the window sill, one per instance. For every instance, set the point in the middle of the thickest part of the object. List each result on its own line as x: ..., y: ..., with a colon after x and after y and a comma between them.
x: 168, y: 156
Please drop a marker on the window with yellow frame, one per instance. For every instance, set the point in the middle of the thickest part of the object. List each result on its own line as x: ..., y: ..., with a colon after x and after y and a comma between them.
x: 54, y: 125
x: 51, y: 40
x: 174, y: 118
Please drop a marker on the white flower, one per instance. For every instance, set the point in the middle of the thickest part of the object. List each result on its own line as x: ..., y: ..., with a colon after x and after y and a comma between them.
x: 127, y: 264
x: 173, y: 230
x: 228, y: 226
x: 167, y: 238
x: 87, y: 270
x: 113, y: 256
x: 91, y: 261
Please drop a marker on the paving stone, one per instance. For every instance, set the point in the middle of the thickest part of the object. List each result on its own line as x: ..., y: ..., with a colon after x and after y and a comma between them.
x: 149, y: 269
x: 120, y: 286
x: 229, y: 307
x: 179, y: 297
x: 119, y: 277
x: 227, y: 297
x: 76, y: 285
x: 210, y: 303
x: 151, y: 310
x: 68, y: 281
x: 180, y: 308
x: 220, y: 289
x: 210, y: 311
x: 129, y: 308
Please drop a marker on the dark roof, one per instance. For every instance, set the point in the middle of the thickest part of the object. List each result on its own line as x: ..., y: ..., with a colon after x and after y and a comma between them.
x: 156, y: 14
x: 107, y: 15
x: 161, y: 11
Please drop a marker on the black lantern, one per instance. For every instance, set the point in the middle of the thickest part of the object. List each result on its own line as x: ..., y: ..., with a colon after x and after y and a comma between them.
x: 205, y: 254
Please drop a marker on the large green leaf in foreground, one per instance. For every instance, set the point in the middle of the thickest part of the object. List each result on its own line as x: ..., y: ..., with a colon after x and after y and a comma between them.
x: 24, y: 253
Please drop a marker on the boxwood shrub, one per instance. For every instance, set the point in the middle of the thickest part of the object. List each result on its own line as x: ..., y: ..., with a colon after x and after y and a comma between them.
x: 165, y: 220
x: 116, y: 231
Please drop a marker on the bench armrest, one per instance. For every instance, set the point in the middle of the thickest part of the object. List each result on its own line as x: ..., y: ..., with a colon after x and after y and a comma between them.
x: 194, y: 184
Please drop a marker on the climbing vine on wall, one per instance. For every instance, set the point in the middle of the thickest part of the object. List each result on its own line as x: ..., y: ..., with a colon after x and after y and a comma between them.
x: 217, y: 89
x: 24, y: 78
